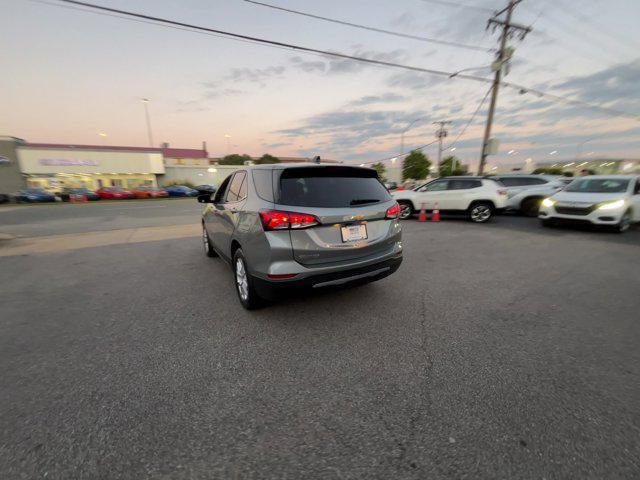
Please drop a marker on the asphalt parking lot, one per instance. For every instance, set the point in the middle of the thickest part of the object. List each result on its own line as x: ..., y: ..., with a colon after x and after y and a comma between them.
x: 503, y: 350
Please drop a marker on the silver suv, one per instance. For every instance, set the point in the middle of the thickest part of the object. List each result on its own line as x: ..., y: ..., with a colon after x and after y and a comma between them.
x: 301, y: 225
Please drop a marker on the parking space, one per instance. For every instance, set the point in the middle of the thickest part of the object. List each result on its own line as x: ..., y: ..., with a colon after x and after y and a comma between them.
x: 498, y: 350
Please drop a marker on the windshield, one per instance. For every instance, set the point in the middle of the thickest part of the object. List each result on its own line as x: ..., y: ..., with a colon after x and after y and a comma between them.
x: 331, y: 187
x: 598, y: 185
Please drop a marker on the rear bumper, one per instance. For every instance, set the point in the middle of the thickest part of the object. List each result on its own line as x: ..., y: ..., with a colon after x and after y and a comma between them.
x: 369, y: 273
x: 597, y: 217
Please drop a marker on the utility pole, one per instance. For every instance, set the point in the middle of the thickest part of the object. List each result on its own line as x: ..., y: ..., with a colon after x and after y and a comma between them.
x: 503, y: 56
x: 440, y: 134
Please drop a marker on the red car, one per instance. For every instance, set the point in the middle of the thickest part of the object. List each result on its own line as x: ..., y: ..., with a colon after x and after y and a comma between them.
x: 115, y: 193
x: 149, y: 192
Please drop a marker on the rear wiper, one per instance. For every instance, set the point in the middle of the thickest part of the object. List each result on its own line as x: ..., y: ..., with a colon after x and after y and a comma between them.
x: 362, y: 201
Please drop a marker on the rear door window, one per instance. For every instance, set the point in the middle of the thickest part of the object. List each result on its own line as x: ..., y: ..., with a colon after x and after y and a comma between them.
x: 464, y: 184
x: 331, y: 187
x: 235, y: 187
x: 436, y: 186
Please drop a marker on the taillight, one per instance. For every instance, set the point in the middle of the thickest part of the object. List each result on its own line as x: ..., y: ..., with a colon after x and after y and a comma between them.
x: 277, y: 220
x: 502, y: 192
x: 393, y: 212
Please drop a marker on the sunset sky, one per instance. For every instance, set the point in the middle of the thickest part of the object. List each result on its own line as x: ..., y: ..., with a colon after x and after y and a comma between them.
x: 68, y: 75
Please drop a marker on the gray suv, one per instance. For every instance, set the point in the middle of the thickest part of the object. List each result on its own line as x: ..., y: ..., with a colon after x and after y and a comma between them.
x: 301, y: 225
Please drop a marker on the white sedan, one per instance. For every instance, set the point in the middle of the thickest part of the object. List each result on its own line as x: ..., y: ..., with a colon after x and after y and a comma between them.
x: 612, y: 200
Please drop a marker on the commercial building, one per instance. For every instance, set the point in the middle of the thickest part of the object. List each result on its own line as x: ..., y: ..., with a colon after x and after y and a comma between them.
x: 600, y: 166
x: 11, y: 178
x: 191, y: 166
x: 54, y: 166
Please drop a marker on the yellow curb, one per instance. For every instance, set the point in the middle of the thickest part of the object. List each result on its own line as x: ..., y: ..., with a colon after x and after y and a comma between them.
x: 58, y: 243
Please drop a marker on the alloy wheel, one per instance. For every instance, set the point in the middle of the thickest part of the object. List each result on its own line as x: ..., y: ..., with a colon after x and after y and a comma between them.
x: 405, y: 211
x: 480, y: 213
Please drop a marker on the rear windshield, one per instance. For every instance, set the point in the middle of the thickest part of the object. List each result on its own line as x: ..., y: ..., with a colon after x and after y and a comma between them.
x: 598, y: 185
x: 331, y: 187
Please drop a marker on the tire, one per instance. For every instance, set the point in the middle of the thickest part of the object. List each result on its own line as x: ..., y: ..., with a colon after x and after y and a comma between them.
x: 530, y: 206
x: 625, y: 222
x: 208, y: 249
x: 480, y: 212
x: 247, y: 294
x: 548, y: 222
x: 406, y: 210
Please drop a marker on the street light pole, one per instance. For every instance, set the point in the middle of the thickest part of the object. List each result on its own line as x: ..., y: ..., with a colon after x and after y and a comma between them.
x: 440, y: 134
x: 145, y: 102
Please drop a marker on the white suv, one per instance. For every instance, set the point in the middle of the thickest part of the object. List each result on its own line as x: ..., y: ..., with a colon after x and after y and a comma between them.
x: 600, y: 200
x: 477, y: 197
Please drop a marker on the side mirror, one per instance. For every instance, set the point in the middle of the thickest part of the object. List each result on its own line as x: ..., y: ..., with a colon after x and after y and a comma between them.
x: 204, y: 199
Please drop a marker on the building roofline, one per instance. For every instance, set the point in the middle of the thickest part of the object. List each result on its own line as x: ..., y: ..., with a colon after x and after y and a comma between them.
x: 64, y: 146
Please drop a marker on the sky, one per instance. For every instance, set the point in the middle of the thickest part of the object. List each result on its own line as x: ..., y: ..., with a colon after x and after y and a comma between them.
x: 69, y: 75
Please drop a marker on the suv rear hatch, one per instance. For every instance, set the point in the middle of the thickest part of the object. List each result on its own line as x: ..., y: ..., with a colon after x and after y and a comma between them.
x: 350, y: 205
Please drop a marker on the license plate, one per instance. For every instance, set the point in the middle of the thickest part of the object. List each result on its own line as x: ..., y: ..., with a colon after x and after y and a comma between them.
x: 351, y: 233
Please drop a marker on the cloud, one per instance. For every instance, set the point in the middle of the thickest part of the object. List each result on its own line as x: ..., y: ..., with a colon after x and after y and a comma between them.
x: 308, y: 66
x: 337, y: 66
x: 212, y: 91
x: 618, y: 86
x: 254, y: 75
x: 276, y: 144
x: 372, y: 99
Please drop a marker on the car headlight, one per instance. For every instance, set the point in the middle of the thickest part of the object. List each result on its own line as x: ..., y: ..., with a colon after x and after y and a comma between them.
x: 547, y: 202
x: 611, y: 205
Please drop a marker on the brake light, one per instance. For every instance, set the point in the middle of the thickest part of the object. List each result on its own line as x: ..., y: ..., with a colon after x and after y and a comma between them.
x: 502, y: 192
x: 393, y: 212
x: 277, y: 220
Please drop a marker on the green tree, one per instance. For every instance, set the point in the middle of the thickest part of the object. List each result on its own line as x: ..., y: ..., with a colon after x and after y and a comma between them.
x: 235, y: 159
x: 266, y: 158
x: 548, y: 170
x: 416, y: 166
x: 451, y: 166
x: 380, y: 169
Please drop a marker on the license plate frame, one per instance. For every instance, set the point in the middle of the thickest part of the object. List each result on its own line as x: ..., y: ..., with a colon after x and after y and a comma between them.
x: 354, y: 233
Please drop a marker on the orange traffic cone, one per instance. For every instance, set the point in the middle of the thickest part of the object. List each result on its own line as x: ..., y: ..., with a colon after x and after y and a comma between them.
x: 423, y: 214
x: 435, y: 216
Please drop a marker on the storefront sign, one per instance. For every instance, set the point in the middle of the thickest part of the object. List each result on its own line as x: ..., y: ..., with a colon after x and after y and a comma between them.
x: 62, y: 162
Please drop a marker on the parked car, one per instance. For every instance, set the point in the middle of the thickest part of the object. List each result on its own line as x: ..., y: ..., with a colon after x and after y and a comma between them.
x: 33, y: 195
x: 527, y: 201
x: 612, y: 200
x: 203, y: 189
x: 149, y: 192
x: 181, y: 191
x: 114, y: 193
x: 5, y: 198
x: 477, y: 197
x: 301, y: 226
x: 391, y: 185
x: 82, y: 192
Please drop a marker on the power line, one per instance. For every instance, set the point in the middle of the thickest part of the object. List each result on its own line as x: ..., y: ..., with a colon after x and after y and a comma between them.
x: 421, y: 147
x: 374, y: 29
x: 224, y: 34
x: 464, y: 129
